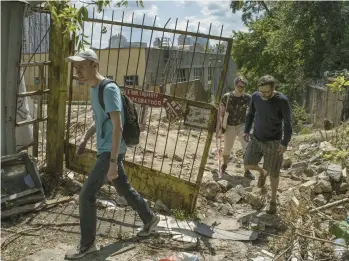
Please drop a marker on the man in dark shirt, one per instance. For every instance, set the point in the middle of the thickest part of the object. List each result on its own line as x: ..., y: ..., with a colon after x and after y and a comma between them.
x: 272, y: 132
x: 236, y: 104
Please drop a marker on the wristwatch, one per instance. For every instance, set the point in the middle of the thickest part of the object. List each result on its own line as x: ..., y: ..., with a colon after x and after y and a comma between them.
x: 112, y: 160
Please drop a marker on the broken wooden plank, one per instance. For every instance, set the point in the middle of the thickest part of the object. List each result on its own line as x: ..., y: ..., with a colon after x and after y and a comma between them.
x: 330, y: 205
x: 34, y: 207
x: 19, y: 195
x: 29, y: 199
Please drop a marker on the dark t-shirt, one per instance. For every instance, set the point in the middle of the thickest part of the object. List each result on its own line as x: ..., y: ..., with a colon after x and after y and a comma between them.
x: 237, y: 108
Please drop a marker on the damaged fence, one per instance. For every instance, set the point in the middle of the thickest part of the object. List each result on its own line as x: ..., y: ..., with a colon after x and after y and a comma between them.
x: 31, y: 117
x: 175, y: 88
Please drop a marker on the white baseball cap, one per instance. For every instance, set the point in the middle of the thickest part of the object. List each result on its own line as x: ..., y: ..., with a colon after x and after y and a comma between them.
x: 87, y: 54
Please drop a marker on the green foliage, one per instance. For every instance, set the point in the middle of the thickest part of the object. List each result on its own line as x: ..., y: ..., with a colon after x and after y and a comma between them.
x: 339, y: 83
x: 337, y: 156
x: 298, y: 40
x: 250, y: 9
x: 180, y: 214
x: 299, y: 118
x: 71, y: 19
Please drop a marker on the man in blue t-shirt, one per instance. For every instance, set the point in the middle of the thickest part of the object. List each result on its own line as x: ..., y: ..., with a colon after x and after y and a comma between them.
x: 111, y: 149
x: 272, y: 132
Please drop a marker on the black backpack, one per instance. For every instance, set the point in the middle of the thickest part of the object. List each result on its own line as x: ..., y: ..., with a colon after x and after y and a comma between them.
x: 131, y: 131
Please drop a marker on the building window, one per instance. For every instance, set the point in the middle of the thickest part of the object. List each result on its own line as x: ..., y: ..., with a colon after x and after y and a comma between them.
x: 181, y: 75
x: 110, y: 77
x: 131, y: 80
x: 197, y: 73
x: 209, y: 73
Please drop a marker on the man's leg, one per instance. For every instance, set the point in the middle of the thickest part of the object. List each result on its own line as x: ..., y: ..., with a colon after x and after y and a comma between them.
x: 229, y: 139
x: 272, y: 163
x: 240, y: 134
x: 87, y: 207
x: 135, y: 200
x: 252, y: 157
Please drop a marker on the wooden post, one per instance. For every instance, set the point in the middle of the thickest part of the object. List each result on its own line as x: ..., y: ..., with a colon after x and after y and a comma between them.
x: 56, y: 106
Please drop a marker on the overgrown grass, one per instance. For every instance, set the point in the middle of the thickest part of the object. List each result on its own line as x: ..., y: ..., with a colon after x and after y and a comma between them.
x: 180, y: 214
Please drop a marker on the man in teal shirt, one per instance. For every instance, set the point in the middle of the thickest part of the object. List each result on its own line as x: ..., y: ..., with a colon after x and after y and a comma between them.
x: 111, y: 149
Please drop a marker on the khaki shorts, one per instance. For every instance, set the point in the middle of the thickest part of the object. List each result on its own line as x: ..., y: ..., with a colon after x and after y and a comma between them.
x: 257, y: 149
x: 229, y: 138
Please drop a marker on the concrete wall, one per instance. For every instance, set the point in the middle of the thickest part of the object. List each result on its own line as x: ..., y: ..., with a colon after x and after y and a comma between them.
x: 156, y: 65
x: 12, y: 14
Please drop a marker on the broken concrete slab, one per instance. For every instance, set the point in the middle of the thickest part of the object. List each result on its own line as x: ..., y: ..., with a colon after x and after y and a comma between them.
x: 344, y: 187
x: 325, y: 146
x: 334, y: 171
x: 234, y: 195
x: 310, y: 172
x: 323, y: 176
x: 225, y: 223
x: 319, y: 200
x: 300, y: 164
x: 210, y: 189
x: 286, y: 163
x: 226, y: 209
x: 307, y: 185
x: 241, y: 235
x: 225, y: 185
x: 322, y: 186
x: 254, y: 200
x: 260, y: 218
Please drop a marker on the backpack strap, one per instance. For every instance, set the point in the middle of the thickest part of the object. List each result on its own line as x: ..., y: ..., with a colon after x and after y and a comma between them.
x: 101, y: 90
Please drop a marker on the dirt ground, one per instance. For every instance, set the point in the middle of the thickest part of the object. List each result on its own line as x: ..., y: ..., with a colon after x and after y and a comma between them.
x: 175, y: 150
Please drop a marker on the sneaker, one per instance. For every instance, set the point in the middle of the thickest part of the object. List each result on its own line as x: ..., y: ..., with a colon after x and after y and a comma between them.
x: 249, y: 175
x: 80, y: 252
x: 147, y: 228
x: 224, y: 168
x: 272, y: 208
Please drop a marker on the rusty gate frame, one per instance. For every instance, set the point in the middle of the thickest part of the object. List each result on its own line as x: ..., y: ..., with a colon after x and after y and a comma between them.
x: 40, y: 92
x: 181, y: 194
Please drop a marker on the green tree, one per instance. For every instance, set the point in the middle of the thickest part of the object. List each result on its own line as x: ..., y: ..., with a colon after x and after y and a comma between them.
x: 299, y: 40
x: 251, y: 9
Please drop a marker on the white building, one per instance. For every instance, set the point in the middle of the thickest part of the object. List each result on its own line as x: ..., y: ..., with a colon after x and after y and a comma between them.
x: 165, y: 42
x: 117, y: 41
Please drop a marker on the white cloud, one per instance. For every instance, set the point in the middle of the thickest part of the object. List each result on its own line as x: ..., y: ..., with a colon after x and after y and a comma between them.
x: 184, y: 3
x: 206, y: 13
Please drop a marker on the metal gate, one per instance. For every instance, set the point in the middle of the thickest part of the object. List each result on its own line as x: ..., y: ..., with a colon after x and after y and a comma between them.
x: 31, y: 116
x: 172, y: 86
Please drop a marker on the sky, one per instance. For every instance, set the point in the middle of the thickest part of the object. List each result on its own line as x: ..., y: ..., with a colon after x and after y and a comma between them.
x: 200, y: 15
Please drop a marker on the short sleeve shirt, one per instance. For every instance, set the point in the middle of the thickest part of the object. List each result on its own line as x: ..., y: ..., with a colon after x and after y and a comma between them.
x: 237, y: 108
x: 104, y: 126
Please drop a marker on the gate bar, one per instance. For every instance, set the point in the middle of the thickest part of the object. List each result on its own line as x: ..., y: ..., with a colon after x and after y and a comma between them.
x: 160, y: 29
x: 33, y: 93
x: 213, y: 114
x: 23, y: 123
x: 32, y: 64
